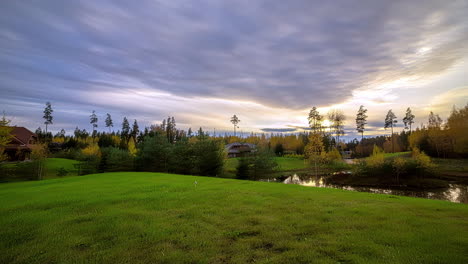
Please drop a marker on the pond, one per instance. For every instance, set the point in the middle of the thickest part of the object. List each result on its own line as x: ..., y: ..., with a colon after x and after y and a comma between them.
x: 457, y: 193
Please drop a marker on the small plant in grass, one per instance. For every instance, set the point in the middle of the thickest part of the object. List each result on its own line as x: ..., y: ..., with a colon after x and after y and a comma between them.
x: 62, y: 172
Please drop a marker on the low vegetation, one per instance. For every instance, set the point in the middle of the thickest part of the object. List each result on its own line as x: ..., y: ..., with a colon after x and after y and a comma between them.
x: 162, y: 218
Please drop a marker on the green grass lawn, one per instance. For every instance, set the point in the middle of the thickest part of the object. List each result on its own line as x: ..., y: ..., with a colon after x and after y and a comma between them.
x: 452, y: 165
x: 398, y: 154
x: 285, y: 164
x: 52, y: 166
x: 162, y: 218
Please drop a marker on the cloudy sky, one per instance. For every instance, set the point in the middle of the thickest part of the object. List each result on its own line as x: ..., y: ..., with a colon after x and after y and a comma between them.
x: 202, y: 61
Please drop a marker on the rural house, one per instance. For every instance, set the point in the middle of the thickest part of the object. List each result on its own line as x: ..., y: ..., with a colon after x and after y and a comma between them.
x: 237, y: 149
x: 20, y: 146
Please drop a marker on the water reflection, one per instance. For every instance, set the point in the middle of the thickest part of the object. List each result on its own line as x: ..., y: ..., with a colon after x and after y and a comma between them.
x: 457, y: 193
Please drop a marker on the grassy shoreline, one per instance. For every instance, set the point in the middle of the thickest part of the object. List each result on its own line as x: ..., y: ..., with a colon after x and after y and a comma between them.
x: 154, y: 217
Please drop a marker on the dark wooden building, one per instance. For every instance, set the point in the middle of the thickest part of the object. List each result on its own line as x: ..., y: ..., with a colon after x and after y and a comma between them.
x: 20, y: 147
x: 240, y: 149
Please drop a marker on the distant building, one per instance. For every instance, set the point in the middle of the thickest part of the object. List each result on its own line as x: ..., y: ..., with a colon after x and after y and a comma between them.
x: 237, y: 149
x: 20, y: 146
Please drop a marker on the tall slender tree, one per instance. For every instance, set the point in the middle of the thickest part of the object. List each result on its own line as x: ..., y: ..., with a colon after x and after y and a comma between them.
x: 48, y: 115
x: 390, y: 121
x: 361, y: 120
x: 434, y: 120
x: 235, y: 120
x: 109, y: 122
x: 125, y: 133
x: 337, y: 118
x: 135, y: 130
x: 93, y: 119
x: 408, y: 120
x: 315, y: 120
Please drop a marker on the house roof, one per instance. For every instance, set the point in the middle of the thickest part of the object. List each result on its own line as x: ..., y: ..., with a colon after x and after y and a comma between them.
x: 237, y: 144
x: 21, y: 135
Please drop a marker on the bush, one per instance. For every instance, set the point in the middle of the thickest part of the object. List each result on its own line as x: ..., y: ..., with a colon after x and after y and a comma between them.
x: 62, y: 172
x: 254, y: 167
x: 116, y: 159
x: 377, y: 159
x: 242, y: 170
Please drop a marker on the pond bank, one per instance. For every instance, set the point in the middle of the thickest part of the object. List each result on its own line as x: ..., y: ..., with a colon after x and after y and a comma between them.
x: 451, y: 191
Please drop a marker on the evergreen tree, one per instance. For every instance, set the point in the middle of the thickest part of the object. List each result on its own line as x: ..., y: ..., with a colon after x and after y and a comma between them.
x: 189, y: 133
x: 361, y: 120
x: 315, y: 120
x: 235, y: 120
x: 390, y: 121
x: 125, y: 133
x: 408, y: 120
x: 109, y: 122
x: 135, y: 130
x: 48, y: 115
x: 93, y: 121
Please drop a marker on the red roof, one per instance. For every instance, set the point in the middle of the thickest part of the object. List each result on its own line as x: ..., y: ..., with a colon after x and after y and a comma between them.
x: 21, y: 137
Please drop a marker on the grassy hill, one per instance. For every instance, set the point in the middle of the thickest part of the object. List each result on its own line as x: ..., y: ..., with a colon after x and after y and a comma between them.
x: 163, y: 218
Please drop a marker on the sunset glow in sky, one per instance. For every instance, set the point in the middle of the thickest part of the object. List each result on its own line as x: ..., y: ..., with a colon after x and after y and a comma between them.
x: 268, y: 62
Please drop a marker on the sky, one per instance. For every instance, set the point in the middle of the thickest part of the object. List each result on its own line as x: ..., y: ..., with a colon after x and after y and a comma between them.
x: 269, y: 62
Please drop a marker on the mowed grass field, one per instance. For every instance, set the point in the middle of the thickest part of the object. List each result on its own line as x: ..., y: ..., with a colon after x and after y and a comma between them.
x: 163, y: 218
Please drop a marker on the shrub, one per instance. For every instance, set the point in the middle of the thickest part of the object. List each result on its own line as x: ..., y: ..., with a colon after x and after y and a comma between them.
x: 118, y: 160
x: 242, y: 170
x: 377, y: 159
x: 62, y: 172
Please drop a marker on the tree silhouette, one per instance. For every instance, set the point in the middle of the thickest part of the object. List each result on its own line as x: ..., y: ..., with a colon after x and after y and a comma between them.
x: 361, y: 120
x: 408, y: 120
x: 48, y: 115
x: 235, y: 120
x: 390, y: 121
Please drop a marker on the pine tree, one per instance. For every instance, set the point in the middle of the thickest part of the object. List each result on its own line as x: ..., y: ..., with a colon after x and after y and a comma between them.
x: 235, y: 120
x: 48, y: 115
x: 135, y: 130
x: 361, y: 120
x: 408, y: 120
x: 124, y: 135
x: 189, y: 133
x: 315, y: 120
x: 390, y: 121
x: 109, y: 122
x: 93, y: 121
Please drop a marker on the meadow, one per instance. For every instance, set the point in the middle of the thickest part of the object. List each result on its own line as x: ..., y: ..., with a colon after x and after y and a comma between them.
x: 166, y: 218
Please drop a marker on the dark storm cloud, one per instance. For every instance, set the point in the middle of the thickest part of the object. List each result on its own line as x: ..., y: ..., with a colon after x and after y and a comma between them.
x: 289, y: 54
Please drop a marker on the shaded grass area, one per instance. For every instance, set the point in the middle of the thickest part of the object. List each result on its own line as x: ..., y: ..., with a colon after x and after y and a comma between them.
x: 18, y: 171
x: 405, y: 154
x: 162, y: 218
x: 52, y: 166
x: 284, y: 164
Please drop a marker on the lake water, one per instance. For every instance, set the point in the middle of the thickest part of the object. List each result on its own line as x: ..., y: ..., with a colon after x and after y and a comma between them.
x: 457, y: 193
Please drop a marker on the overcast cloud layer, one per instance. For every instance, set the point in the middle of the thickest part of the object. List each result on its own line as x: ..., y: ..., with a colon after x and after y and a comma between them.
x: 202, y: 61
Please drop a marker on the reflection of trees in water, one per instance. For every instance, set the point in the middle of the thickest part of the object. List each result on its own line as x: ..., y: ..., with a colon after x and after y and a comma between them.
x: 455, y: 193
